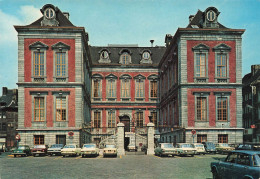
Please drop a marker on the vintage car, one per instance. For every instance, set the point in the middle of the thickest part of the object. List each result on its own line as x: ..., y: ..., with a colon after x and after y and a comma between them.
x: 223, y: 148
x: 185, y: 149
x: 238, y: 164
x: 22, y: 150
x: 89, y: 150
x: 200, y: 148
x: 40, y: 150
x: 165, y: 149
x: 70, y: 150
x: 55, y: 149
x: 131, y: 147
x: 248, y: 146
x: 209, y: 147
x: 110, y: 150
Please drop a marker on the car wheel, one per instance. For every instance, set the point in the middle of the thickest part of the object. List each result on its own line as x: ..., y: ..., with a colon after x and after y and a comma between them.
x: 14, y: 155
x: 215, y: 174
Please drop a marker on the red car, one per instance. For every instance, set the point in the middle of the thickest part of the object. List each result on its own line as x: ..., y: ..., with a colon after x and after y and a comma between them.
x: 40, y: 150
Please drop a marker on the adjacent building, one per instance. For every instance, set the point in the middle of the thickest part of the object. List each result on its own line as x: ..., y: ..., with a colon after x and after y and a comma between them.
x: 53, y: 80
x: 251, y: 105
x: 8, y: 118
x: 201, y: 82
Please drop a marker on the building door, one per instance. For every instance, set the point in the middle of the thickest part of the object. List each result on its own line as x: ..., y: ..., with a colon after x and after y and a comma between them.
x: 126, y: 121
x: 61, y: 139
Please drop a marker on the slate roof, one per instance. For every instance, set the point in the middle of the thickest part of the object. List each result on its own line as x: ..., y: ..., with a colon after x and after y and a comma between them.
x: 63, y: 20
x: 136, y: 53
x: 197, y: 19
x: 9, y: 98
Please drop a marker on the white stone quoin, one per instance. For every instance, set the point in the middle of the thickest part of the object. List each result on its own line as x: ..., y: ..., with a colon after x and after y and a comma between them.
x: 150, y: 139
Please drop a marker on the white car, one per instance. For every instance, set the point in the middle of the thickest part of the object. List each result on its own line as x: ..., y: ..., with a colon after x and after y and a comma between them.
x: 131, y: 147
x: 89, y: 150
x: 110, y: 150
x: 70, y: 150
x: 165, y: 149
x: 200, y: 148
x: 186, y: 149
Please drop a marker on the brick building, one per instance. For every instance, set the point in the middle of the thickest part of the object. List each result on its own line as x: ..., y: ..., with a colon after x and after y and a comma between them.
x: 194, y: 83
x: 201, y: 82
x: 251, y: 105
x: 53, y: 80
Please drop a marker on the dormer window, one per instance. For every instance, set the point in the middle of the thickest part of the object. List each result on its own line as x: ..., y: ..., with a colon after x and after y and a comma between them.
x: 104, y: 54
x: 146, y: 55
x: 211, y: 15
x: 125, y: 58
x: 49, y: 13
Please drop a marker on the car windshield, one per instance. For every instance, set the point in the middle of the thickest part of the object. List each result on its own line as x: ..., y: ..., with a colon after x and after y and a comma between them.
x: 199, y: 145
x: 167, y: 145
x: 210, y: 144
x: 224, y: 145
x: 186, y: 146
x: 69, y: 146
x: 21, y: 147
x: 39, y: 146
x: 256, y: 160
x: 57, y: 146
x: 89, y: 146
x: 110, y: 146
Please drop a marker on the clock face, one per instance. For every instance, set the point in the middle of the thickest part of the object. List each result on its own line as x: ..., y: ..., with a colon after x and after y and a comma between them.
x: 49, y: 13
x: 211, y: 15
x: 146, y: 55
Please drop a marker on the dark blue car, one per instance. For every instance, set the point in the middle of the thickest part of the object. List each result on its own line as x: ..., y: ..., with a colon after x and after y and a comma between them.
x: 238, y: 164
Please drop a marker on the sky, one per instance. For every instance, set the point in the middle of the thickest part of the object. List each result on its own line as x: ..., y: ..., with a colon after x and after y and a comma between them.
x: 127, y: 22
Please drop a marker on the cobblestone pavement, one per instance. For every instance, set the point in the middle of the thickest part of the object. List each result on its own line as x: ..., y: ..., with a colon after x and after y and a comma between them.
x: 128, y: 166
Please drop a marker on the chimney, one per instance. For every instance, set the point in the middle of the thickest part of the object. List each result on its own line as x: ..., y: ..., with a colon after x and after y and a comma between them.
x: 66, y: 14
x: 191, y: 18
x: 254, y: 69
x: 151, y: 42
x: 5, y: 91
x: 168, y: 39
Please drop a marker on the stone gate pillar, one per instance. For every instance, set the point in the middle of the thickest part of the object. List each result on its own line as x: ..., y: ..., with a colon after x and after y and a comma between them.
x: 120, y: 139
x: 150, y: 139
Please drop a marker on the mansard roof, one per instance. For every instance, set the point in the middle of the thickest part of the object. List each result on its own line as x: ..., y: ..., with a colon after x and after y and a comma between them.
x: 136, y: 54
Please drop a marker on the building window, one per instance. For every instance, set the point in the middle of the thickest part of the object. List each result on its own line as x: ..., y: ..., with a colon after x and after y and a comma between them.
x: 111, y: 118
x: 38, y: 64
x: 139, y: 88
x: 61, y: 114
x: 60, y: 64
x: 153, y: 89
x: 211, y: 15
x: 111, y: 88
x: 39, y: 109
x: 222, y: 108
x: 125, y: 58
x: 201, y: 138
x: 201, y: 108
x: 125, y: 88
x: 200, y: 65
x: 97, y: 89
x: 139, y: 119
x: 222, y: 138
x: 154, y: 118
x: 146, y: 55
x: 39, y: 140
x: 221, y: 65
x: 97, y: 119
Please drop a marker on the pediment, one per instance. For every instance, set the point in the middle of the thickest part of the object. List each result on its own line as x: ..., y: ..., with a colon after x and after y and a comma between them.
x: 139, y: 77
x: 125, y: 76
x: 60, y: 45
x: 222, y: 47
x: 38, y: 45
x: 95, y: 76
x: 153, y: 77
x: 111, y: 76
x: 201, y: 47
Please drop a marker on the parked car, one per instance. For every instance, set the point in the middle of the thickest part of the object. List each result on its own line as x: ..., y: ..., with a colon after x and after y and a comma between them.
x: 70, y: 150
x: 209, y: 147
x: 131, y: 147
x: 223, y: 148
x: 185, y: 149
x: 248, y: 146
x: 165, y: 149
x: 89, y: 150
x: 200, y: 148
x: 55, y: 149
x: 22, y: 150
x: 110, y: 150
x: 39, y: 150
x: 238, y: 164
